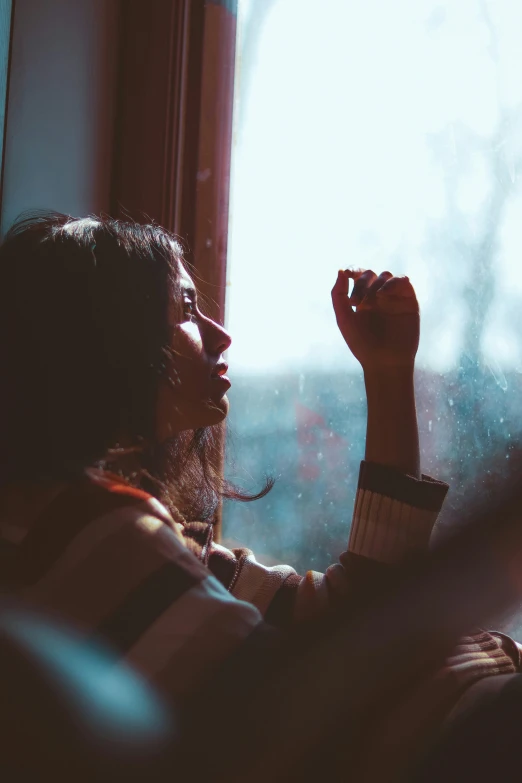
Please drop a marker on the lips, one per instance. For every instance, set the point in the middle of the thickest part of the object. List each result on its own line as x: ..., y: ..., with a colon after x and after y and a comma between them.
x: 219, y: 370
x: 218, y: 375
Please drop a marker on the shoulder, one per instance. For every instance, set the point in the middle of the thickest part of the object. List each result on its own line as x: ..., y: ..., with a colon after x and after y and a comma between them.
x: 110, y: 560
x: 91, y: 523
x: 117, y: 492
x: 105, y: 494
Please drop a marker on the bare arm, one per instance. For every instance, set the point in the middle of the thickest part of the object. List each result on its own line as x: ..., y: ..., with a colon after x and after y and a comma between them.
x: 383, y: 334
x: 392, y: 436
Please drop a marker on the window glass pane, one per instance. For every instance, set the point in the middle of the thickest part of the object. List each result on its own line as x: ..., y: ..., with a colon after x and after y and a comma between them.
x: 382, y: 135
x: 5, y: 31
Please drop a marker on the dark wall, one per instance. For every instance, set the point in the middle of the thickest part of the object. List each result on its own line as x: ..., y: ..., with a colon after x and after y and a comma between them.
x: 61, y: 107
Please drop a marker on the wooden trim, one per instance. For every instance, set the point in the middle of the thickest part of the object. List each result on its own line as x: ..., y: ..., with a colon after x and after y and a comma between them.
x: 210, y: 231
x: 211, y: 214
x: 153, y: 54
x: 181, y: 137
x: 174, y: 130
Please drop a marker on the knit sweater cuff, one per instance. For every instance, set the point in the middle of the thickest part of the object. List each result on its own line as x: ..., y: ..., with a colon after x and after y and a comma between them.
x: 394, y: 513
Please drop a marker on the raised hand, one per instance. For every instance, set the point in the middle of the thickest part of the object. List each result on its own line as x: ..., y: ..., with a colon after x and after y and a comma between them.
x: 383, y: 331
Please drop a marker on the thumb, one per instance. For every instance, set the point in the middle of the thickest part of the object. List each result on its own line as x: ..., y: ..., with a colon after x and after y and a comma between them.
x: 341, y: 305
x: 341, y: 284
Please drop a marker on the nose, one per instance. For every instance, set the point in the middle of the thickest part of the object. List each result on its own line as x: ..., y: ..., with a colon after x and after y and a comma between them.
x: 216, y: 338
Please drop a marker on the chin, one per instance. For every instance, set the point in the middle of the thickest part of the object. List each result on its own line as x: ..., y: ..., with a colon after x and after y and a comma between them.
x: 211, y: 413
x: 216, y: 412
x: 193, y: 417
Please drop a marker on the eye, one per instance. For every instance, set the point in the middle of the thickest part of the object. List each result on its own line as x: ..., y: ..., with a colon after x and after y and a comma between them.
x: 189, y: 310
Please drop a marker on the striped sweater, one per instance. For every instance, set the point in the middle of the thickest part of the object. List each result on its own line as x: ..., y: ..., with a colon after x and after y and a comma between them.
x: 393, y: 519
x: 175, y: 604
x: 111, y: 561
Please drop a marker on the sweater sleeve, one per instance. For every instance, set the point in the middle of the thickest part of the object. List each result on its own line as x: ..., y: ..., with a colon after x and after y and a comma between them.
x: 394, y: 513
x: 393, y: 518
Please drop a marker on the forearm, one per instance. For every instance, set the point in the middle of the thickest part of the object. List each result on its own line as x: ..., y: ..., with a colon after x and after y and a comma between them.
x: 392, y: 437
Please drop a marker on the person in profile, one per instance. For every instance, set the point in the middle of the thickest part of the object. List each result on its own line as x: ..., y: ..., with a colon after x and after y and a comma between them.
x: 112, y: 393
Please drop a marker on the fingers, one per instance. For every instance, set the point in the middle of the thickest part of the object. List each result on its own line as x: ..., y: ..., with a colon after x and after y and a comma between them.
x: 368, y: 301
x: 340, y: 288
x: 341, y: 303
x: 398, y: 286
x: 362, y: 283
x: 379, y: 282
x: 397, y: 295
x: 366, y: 284
x: 384, y: 291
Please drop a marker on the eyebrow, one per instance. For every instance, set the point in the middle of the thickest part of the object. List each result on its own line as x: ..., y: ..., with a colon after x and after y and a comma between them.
x: 189, y: 290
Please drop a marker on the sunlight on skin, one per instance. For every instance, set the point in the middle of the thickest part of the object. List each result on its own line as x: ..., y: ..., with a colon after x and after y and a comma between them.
x: 194, y: 393
x: 333, y: 167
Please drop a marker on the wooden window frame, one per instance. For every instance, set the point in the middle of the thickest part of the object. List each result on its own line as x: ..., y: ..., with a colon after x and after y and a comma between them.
x: 173, y: 135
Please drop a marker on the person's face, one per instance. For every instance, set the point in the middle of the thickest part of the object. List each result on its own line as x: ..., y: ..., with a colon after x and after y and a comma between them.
x: 195, y: 394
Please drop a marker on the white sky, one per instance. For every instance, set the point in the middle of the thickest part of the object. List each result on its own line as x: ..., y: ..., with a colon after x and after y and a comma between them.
x: 331, y: 168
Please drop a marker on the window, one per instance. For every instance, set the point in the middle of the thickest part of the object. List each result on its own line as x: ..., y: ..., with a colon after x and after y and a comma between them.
x: 382, y: 135
x: 5, y: 36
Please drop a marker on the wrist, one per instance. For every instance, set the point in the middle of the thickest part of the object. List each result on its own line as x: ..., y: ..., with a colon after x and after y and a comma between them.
x: 389, y: 374
x: 391, y: 435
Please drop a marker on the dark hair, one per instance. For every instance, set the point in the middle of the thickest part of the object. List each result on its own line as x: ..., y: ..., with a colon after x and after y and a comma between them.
x: 83, y: 343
